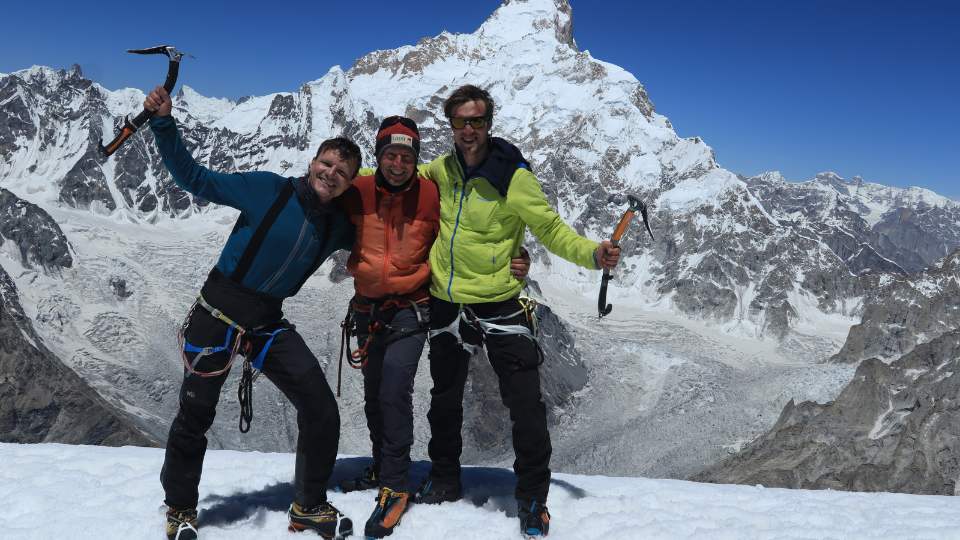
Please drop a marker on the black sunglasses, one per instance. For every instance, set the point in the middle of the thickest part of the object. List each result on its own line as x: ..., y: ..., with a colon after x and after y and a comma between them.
x: 477, y: 122
x: 393, y: 120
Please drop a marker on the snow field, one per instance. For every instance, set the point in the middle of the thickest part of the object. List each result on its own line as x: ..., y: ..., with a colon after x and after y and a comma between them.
x: 63, y: 491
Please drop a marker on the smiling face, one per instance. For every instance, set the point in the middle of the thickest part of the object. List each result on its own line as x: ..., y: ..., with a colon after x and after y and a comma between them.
x: 471, y: 141
x: 397, y: 164
x: 331, y: 174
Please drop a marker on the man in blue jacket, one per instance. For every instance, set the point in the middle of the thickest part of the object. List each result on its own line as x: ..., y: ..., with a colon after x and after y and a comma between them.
x: 286, y: 229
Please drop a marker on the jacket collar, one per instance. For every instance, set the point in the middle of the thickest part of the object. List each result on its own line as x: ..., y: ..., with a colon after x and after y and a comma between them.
x: 502, y: 161
x: 390, y: 188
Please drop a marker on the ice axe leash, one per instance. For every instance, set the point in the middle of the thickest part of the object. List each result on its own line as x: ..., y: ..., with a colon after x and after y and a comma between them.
x: 636, y: 206
x: 131, y: 126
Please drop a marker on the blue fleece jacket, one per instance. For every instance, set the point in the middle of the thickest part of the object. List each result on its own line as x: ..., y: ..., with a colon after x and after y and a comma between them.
x: 304, y: 234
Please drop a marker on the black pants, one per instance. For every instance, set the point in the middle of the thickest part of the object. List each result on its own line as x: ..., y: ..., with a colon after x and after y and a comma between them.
x: 388, y: 393
x: 295, y: 371
x: 515, y: 361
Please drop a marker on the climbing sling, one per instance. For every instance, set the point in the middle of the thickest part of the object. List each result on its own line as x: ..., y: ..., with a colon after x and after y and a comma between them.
x: 374, y: 309
x: 494, y: 326
x: 238, y: 341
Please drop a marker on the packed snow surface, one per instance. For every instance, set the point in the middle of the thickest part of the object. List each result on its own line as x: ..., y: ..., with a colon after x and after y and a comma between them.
x: 63, y: 491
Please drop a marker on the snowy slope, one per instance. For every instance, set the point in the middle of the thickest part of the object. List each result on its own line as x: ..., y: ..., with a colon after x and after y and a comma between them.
x: 59, y: 491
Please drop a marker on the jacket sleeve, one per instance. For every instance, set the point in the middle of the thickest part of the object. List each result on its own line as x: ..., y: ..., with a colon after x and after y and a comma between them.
x: 232, y: 190
x: 526, y: 199
x: 347, y: 238
x: 432, y: 171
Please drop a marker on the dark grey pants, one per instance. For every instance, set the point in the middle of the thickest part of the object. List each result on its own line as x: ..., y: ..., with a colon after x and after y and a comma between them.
x: 388, y: 393
x: 295, y: 371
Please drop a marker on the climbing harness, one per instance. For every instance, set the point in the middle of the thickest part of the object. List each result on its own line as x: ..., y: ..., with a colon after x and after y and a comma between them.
x: 357, y: 359
x: 493, y: 326
x: 238, y: 341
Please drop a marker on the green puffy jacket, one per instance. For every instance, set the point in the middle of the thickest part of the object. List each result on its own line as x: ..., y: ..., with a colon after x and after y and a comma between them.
x: 483, y: 222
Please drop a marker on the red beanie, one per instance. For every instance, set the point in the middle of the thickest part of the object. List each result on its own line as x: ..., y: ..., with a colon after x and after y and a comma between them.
x: 398, y: 131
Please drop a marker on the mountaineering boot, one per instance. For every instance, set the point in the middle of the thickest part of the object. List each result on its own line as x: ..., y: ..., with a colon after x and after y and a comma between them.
x: 386, y: 515
x: 367, y: 480
x: 322, y: 519
x: 534, y: 519
x: 182, y: 524
x: 432, y: 492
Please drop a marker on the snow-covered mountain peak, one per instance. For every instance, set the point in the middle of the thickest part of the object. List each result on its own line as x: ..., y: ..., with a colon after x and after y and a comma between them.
x: 205, y: 109
x: 48, y: 75
x: 771, y: 176
x: 521, y: 19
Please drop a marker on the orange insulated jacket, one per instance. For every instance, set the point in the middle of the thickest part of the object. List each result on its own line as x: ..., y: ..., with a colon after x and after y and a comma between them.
x: 394, y: 233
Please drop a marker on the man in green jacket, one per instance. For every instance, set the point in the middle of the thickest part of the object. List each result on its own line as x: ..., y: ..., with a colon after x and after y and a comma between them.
x: 488, y: 199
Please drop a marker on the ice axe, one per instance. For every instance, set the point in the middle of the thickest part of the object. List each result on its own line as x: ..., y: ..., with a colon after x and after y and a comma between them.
x: 131, y: 126
x: 636, y: 206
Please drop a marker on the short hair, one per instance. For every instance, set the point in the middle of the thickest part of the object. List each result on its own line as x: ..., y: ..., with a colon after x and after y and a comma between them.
x: 347, y: 149
x: 465, y: 93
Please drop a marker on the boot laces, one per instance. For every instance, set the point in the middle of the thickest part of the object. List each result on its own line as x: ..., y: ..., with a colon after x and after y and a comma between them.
x: 188, y: 516
x: 323, y: 509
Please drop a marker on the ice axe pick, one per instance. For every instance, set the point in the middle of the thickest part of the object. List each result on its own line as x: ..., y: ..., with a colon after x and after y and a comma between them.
x: 131, y: 126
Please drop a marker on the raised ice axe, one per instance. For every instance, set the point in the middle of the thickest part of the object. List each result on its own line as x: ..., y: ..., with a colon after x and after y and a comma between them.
x: 131, y: 126
x: 636, y: 206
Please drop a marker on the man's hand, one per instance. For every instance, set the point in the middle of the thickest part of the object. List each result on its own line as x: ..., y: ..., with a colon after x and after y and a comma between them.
x: 159, y: 102
x: 519, y: 266
x: 607, y: 255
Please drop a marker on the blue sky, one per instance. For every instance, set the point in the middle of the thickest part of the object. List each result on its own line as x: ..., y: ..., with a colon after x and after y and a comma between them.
x: 869, y: 88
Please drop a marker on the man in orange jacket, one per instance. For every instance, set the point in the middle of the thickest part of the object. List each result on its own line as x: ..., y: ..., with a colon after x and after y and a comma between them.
x: 396, y: 214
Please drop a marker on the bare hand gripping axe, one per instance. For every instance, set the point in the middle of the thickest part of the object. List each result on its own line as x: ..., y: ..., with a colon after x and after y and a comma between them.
x: 636, y: 205
x: 131, y: 126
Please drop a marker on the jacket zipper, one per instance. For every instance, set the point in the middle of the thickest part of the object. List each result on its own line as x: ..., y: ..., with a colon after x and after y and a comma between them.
x: 386, y: 238
x: 293, y: 253
x: 456, y: 226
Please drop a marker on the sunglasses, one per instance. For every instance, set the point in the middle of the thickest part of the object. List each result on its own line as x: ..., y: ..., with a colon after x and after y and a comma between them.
x: 394, y: 120
x: 477, y: 122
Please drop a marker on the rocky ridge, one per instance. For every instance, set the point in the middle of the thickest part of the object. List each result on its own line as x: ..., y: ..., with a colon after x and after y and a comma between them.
x: 895, y: 426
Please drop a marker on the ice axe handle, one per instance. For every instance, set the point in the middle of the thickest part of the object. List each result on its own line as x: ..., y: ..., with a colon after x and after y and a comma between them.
x: 131, y: 126
x: 622, y: 227
x: 603, y: 308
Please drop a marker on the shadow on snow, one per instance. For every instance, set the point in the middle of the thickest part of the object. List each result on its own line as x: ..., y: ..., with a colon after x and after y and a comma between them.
x: 481, y: 486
